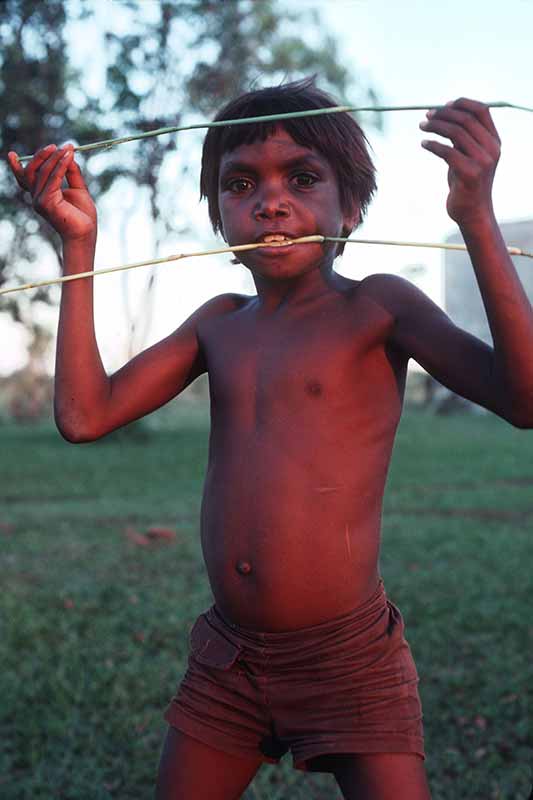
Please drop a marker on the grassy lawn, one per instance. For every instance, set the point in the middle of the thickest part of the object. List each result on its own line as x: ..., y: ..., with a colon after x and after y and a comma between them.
x: 95, y: 618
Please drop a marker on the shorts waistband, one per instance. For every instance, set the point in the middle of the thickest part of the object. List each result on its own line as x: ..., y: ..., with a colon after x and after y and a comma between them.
x: 356, y: 615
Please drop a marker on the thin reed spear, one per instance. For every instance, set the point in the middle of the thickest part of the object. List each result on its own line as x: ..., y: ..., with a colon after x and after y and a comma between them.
x: 313, y: 112
x: 514, y: 251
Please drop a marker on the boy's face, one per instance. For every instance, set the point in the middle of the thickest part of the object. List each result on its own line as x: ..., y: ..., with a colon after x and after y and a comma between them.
x: 280, y: 186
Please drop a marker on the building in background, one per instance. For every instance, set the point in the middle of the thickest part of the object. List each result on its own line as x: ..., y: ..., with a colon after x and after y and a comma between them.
x: 462, y: 298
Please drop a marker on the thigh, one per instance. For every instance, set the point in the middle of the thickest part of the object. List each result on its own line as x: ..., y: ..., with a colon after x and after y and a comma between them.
x: 382, y: 776
x: 191, y: 770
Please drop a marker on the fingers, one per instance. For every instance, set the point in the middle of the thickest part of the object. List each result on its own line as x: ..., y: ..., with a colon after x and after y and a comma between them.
x: 479, y: 110
x: 453, y: 157
x: 17, y: 169
x: 70, y: 210
x: 51, y: 172
x: 24, y: 175
x: 469, y: 126
x: 32, y: 177
x: 35, y: 165
x: 74, y: 177
x: 44, y: 174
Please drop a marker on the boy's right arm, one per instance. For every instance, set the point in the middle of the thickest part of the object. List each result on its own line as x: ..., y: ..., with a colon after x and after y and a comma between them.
x: 89, y: 403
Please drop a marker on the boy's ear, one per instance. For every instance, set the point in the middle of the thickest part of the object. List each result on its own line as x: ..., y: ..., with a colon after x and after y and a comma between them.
x: 346, y: 231
x: 351, y: 221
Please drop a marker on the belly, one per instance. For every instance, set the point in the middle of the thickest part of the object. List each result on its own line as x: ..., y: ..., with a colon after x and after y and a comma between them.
x: 289, y: 541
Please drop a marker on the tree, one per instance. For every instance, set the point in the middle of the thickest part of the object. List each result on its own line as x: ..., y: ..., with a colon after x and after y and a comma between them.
x: 161, y: 64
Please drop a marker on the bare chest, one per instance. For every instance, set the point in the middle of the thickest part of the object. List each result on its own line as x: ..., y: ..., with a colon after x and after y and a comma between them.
x: 299, y: 364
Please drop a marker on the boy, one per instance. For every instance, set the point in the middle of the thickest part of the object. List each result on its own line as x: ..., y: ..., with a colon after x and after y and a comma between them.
x: 301, y: 649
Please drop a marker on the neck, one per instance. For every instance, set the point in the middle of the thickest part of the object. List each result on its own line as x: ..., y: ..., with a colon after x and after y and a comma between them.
x: 276, y: 294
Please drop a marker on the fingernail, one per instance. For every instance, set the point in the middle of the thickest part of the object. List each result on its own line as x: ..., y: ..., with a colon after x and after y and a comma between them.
x: 431, y: 112
x: 423, y: 124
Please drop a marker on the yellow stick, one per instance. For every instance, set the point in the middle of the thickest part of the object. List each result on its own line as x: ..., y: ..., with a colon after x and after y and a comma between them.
x: 175, y: 257
x: 514, y: 251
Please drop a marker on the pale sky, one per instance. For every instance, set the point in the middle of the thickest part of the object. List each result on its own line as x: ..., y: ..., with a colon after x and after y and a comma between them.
x: 412, y: 52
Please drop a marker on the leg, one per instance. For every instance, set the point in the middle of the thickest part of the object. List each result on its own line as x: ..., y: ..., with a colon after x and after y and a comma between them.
x: 382, y: 776
x: 191, y: 770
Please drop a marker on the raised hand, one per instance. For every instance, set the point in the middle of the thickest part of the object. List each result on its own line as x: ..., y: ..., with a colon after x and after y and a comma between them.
x: 471, y: 161
x: 71, y: 210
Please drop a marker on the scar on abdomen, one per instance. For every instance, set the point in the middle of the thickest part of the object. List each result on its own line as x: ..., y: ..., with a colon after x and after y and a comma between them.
x: 348, y: 542
x: 323, y: 489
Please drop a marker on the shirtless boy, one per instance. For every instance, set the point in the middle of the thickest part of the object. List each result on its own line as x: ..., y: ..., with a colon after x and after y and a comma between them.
x: 302, y: 650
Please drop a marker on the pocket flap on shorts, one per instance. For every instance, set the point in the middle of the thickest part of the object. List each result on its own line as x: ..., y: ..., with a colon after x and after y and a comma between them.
x: 210, y: 647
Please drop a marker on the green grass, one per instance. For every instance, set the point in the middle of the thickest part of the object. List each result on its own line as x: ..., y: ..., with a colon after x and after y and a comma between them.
x: 94, y: 626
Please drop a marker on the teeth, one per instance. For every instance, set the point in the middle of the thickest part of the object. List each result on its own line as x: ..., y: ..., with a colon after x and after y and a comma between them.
x: 275, y: 237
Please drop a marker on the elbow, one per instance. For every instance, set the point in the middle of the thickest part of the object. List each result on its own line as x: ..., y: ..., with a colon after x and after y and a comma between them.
x: 75, y: 431
x: 515, y: 406
x: 523, y: 422
x: 74, y: 436
x: 521, y: 418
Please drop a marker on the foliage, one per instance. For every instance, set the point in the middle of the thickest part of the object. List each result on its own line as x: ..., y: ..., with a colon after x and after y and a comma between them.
x: 151, y: 64
x: 35, y: 109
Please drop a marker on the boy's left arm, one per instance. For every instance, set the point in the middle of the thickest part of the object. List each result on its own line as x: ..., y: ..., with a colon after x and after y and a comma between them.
x: 499, y: 378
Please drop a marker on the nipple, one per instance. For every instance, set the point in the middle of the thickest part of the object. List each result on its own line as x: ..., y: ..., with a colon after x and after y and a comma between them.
x: 244, y: 567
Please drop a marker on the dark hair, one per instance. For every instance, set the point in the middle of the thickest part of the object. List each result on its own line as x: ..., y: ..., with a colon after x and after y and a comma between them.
x: 336, y: 136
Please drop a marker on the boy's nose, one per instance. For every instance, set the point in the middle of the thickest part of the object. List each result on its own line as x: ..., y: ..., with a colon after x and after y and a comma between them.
x: 271, y: 205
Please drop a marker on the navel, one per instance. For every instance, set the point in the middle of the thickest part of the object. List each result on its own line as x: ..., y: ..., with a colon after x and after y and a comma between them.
x: 314, y: 388
x: 244, y: 567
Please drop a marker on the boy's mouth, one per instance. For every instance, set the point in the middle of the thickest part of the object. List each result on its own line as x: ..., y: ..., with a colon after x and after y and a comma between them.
x: 278, y: 243
x: 275, y: 239
x: 275, y: 244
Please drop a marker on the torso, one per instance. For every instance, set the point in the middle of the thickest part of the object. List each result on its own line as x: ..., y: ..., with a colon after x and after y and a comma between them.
x: 304, y: 408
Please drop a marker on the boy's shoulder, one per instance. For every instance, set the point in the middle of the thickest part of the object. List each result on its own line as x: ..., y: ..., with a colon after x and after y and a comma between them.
x: 390, y: 291
x: 229, y: 301
x: 385, y: 283
x: 220, y: 306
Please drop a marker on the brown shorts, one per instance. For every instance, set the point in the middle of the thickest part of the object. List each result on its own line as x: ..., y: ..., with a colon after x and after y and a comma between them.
x: 348, y: 685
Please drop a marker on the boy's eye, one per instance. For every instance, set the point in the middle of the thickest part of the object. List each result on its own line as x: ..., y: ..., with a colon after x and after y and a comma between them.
x: 305, y: 179
x: 238, y: 185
